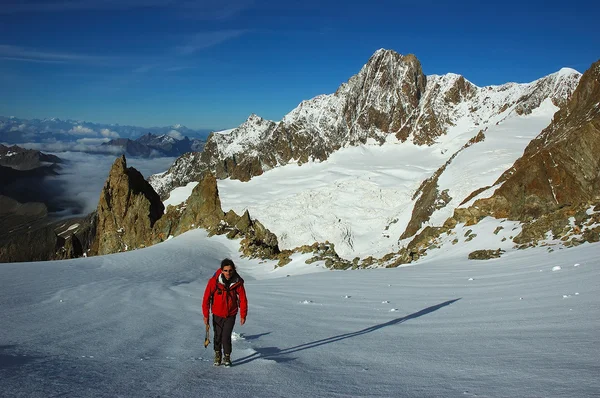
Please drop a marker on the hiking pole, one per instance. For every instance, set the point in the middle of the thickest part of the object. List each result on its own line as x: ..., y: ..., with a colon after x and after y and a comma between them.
x: 206, y: 340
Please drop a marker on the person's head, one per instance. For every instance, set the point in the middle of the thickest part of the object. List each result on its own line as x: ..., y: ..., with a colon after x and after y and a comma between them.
x: 227, y: 268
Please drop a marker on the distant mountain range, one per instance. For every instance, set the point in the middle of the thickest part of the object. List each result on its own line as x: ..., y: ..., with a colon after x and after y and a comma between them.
x: 151, y: 145
x: 56, y: 135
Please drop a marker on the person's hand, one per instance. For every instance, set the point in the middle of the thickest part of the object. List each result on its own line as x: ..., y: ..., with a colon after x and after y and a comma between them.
x: 206, y: 320
x: 242, y: 321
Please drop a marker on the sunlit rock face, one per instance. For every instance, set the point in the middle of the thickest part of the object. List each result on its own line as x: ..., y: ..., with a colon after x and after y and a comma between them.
x: 127, y: 210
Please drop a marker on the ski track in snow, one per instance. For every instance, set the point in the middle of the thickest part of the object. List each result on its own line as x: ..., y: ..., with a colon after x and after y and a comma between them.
x: 130, y: 325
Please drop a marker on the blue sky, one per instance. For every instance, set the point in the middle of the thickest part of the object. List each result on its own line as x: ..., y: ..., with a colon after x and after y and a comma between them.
x: 211, y: 63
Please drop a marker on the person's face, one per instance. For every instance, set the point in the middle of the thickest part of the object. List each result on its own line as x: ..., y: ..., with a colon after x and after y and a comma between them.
x: 227, y: 271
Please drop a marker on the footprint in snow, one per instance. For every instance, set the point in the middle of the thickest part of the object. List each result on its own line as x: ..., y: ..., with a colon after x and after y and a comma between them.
x: 557, y: 268
x: 306, y: 302
x: 385, y: 302
x: 347, y: 296
x: 394, y: 310
x: 237, y: 337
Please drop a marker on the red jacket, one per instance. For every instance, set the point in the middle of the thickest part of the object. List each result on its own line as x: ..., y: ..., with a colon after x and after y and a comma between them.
x: 225, y: 301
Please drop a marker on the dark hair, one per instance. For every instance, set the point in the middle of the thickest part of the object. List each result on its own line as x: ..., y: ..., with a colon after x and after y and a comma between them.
x: 226, y: 262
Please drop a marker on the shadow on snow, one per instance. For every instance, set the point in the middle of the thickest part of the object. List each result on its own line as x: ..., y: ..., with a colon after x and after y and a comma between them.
x: 275, y: 354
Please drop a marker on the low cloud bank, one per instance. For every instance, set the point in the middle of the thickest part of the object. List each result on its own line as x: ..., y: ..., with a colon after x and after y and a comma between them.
x: 83, y: 177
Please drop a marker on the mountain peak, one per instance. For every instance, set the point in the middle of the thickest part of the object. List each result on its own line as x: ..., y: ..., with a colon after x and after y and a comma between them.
x: 254, y: 119
x: 568, y: 71
x: 382, y: 56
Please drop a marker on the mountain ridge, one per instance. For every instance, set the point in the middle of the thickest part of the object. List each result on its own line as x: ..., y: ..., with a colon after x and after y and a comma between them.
x: 376, y: 105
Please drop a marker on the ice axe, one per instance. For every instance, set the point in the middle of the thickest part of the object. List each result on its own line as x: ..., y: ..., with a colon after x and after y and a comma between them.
x: 206, y: 339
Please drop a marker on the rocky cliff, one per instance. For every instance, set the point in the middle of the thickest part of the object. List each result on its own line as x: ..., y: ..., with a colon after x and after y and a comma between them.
x: 127, y: 210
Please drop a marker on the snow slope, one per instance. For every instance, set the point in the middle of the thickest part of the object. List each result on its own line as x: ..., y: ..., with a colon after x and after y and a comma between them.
x: 130, y: 325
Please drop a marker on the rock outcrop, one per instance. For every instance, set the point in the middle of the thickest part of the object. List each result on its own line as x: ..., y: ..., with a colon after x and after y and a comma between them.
x: 485, y: 254
x: 127, y: 210
x: 201, y: 210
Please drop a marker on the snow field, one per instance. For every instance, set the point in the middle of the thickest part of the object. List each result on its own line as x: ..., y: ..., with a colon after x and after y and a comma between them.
x: 130, y: 324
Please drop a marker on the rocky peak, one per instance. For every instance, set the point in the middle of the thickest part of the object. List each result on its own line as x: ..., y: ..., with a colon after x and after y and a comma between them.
x: 381, y: 97
x: 127, y: 210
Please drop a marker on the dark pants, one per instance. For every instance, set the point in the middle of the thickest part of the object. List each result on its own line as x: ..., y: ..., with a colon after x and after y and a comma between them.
x: 223, y: 329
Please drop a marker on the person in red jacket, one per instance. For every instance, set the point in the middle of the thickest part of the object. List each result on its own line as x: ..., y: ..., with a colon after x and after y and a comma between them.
x: 224, y: 294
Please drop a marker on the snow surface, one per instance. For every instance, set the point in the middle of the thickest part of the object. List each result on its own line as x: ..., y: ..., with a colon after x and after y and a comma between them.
x: 180, y: 195
x: 130, y: 325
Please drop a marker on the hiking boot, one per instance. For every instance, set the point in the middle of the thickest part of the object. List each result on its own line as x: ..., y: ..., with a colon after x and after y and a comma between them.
x: 217, y: 358
x: 227, y: 360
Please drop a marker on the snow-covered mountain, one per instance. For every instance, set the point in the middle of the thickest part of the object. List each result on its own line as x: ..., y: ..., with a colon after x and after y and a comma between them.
x: 389, y: 101
x: 393, y: 153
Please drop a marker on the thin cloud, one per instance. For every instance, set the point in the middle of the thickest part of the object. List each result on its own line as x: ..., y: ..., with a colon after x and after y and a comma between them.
x: 43, y: 61
x: 92, y: 141
x: 26, y: 6
x: 85, y: 145
x: 179, y: 68
x: 199, y: 9
x: 215, y: 9
x: 33, y: 55
x: 144, y: 69
x: 204, y: 40
x: 160, y: 68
